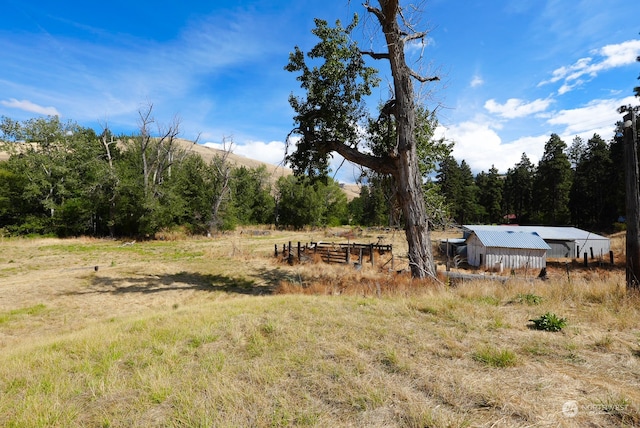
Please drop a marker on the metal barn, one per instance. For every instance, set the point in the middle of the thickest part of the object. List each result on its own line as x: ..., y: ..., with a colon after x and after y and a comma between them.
x: 564, y: 242
x: 506, y: 250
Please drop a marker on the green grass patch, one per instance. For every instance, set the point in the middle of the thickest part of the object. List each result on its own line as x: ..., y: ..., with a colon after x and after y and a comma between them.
x: 19, y: 313
x: 528, y: 299
x: 495, y: 357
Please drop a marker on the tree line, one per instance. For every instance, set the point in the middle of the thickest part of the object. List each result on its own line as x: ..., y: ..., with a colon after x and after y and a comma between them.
x: 577, y: 184
x: 65, y: 180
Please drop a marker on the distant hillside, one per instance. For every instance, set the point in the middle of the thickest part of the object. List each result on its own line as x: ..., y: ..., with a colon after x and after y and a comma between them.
x: 208, y: 153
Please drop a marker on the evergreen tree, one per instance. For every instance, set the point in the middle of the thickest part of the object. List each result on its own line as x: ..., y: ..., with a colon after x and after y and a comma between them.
x: 449, y: 180
x: 471, y: 211
x: 518, y: 190
x: 592, y: 200
x: 458, y: 187
x: 191, y: 183
x: 490, y: 188
x: 553, y: 184
x: 251, y: 195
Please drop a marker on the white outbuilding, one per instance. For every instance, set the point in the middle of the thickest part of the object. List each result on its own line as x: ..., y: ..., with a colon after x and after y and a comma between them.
x: 506, y: 250
x: 565, y: 241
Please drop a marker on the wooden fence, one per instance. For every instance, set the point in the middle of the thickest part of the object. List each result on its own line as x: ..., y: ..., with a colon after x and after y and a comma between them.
x: 334, y: 253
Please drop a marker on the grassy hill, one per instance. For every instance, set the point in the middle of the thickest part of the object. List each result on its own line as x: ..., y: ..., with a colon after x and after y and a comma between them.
x: 218, y: 332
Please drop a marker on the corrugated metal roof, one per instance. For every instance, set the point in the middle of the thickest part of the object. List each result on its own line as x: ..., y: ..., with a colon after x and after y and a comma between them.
x: 511, y: 239
x: 560, y: 233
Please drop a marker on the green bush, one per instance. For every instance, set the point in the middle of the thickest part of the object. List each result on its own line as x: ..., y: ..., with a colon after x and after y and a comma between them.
x: 549, y: 322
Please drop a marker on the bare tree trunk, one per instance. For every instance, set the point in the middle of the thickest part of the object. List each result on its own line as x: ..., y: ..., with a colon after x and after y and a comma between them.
x: 223, y: 176
x: 112, y: 198
x: 406, y: 174
x: 411, y: 198
x: 145, y: 140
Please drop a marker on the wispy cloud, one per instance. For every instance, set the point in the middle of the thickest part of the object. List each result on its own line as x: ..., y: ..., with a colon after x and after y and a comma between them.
x: 30, y: 107
x: 515, y: 107
x: 596, y: 116
x: 585, y: 69
x: 476, y: 81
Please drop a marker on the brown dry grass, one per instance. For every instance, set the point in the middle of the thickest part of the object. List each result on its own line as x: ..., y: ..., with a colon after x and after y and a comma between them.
x: 217, y: 332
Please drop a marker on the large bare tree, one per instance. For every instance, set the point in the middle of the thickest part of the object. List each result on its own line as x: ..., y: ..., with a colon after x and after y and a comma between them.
x: 327, y: 120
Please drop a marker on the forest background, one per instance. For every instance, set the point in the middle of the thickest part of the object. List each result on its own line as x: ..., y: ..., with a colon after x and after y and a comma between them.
x: 61, y: 179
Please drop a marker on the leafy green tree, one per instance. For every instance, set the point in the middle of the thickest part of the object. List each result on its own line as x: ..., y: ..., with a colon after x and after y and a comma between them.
x: 328, y: 118
x: 592, y: 199
x: 458, y: 187
x: 251, y: 195
x: 12, y: 206
x: 553, y: 183
x: 190, y: 183
x: 449, y: 179
x: 382, y: 136
x: 490, y: 187
x: 518, y: 190
x: 374, y: 204
x: 471, y: 211
x: 59, y: 170
x: 576, y: 151
x: 302, y: 202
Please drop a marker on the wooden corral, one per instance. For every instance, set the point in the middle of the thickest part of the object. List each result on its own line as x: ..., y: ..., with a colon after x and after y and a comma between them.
x: 330, y: 252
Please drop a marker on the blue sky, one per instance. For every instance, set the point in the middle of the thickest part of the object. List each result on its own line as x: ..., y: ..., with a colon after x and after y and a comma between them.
x: 512, y: 72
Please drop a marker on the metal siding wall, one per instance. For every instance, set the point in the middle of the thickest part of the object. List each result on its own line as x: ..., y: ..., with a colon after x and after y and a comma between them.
x: 473, y: 249
x: 561, y: 249
x: 512, y: 258
x: 600, y: 247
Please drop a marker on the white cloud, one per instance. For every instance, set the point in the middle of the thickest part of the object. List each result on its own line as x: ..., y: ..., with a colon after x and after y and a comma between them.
x: 596, y: 116
x: 480, y: 146
x: 272, y: 152
x: 606, y: 58
x: 515, y: 107
x: 31, y: 107
x: 476, y: 81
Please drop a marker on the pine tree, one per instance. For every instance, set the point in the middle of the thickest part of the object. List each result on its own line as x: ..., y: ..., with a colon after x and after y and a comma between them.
x: 553, y: 184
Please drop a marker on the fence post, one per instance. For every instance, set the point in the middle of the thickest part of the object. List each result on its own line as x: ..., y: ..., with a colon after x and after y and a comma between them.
x: 611, y: 257
x: 591, y: 249
x: 298, y: 250
x: 275, y: 252
x: 371, y: 254
x: 348, y: 255
x: 586, y: 261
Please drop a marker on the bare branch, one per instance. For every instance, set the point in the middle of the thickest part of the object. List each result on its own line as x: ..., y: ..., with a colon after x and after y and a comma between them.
x: 423, y: 79
x: 377, y: 12
x: 380, y: 164
x: 375, y: 55
x: 415, y: 36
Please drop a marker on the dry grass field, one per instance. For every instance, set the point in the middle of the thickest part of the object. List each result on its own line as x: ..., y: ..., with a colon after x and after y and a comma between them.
x: 217, y: 332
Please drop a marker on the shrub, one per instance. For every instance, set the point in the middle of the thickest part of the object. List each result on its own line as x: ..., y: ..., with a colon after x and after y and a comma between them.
x: 549, y: 322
